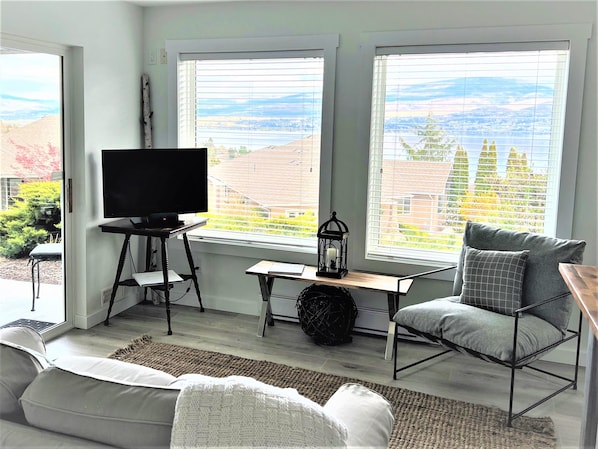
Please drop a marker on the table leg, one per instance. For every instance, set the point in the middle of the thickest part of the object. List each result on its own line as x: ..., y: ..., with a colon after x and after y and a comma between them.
x: 266, y: 284
x: 148, y: 261
x: 165, y: 274
x: 589, y: 423
x: 119, y: 269
x: 393, y: 304
x: 192, y: 268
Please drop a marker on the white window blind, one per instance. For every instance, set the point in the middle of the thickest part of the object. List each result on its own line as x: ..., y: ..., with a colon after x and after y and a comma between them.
x: 260, y: 116
x: 465, y: 133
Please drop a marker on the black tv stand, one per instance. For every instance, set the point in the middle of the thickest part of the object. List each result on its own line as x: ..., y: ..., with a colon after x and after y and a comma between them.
x: 129, y: 228
x: 156, y: 221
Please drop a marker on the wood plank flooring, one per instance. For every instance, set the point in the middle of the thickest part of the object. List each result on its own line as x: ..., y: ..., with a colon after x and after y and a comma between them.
x: 452, y: 376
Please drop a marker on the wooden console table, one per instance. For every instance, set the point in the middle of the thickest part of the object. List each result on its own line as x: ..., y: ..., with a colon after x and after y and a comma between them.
x: 582, y: 281
x: 393, y: 286
x: 126, y: 227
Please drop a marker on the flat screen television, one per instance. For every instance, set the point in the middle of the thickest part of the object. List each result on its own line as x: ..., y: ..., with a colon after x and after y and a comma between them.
x: 153, y: 186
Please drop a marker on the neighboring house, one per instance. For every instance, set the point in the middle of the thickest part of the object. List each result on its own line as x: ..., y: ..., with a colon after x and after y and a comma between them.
x: 251, y: 182
x: 36, y: 137
x: 414, y: 193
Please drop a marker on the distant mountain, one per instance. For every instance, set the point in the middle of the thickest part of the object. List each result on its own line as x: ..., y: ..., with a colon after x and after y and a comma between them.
x: 26, y: 109
x: 501, y: 91
x: 469, y: 105
x: 290, y: 106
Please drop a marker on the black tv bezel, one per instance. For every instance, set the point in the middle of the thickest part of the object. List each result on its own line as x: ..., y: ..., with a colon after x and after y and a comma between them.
x: 148, y: 216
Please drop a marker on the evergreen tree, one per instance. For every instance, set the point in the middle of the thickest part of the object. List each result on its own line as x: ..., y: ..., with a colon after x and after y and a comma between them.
x: 486, y: 179
x: 458, y: 184
x: 433, y: 144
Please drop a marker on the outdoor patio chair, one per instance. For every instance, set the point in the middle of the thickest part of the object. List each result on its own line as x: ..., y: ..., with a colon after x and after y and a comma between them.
x: 42, y: 252
x: 510, y: 306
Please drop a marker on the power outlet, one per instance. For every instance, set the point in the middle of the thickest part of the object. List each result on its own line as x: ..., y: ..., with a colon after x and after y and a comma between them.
x: 152, y: 59
x: 106, y: 292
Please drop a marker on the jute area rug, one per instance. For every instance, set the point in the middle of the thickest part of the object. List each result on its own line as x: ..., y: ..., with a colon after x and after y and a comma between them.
x: 422, y: 420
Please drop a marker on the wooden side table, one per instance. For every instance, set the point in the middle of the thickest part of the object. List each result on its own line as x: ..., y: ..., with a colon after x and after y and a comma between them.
x: 582, y: 281
x: 392, y: 286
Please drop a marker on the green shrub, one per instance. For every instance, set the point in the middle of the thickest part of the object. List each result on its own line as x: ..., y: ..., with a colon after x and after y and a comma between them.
x: 33, y: 218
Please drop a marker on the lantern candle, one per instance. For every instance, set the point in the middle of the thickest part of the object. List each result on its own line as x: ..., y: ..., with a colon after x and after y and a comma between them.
x: 331, y: 258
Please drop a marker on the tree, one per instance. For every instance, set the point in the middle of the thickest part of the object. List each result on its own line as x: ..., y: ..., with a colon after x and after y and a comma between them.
x: 433, y: 145
x: 486, y: 179
x: 32, y: 219
x: 457, y: 186
x: 524, y: 195
x: 35, y: 161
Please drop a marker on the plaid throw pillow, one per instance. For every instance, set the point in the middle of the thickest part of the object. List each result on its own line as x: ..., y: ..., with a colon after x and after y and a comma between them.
x: 493, y: 280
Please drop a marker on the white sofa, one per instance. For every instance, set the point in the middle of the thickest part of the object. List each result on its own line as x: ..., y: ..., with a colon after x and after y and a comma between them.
x: 92, y: 402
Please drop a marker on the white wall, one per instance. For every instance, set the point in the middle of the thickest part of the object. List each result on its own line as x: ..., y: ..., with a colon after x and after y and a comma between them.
x: 105, y: 70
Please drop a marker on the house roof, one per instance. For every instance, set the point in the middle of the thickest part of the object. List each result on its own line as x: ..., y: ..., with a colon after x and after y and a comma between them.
x: 38, y: 134
x: 403, y: 178
x: 260, y: 174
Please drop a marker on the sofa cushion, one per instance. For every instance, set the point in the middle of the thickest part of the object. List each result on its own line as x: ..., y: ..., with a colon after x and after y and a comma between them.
x: 15, y: 435
x: 542, y: 278
x: 24, y: 336
x: 116, y: 370
x: 127, y: 415
x: 476, y: 329
x: 366, y: 414
x: 22, y: 353
x: 243, y: 412
x: 493, y: 280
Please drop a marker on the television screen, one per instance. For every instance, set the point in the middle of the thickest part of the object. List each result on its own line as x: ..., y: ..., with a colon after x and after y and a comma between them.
x: 154, y: 182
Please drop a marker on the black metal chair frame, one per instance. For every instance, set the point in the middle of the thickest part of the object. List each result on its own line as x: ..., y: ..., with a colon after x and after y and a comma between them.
x: 514, y: 364
x: 35, y: 260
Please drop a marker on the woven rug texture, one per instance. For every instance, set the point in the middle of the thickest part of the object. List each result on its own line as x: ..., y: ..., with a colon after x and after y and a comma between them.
x: 422, y: 420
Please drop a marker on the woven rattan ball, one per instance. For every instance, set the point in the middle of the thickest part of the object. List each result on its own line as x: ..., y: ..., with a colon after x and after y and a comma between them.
x: 327, y: 314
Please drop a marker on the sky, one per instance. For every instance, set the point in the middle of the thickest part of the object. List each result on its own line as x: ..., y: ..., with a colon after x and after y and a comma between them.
x: 30, y: 85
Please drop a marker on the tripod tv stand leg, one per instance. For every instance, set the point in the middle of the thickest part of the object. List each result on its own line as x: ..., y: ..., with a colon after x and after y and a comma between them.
x: 119, y: 269
x: 193, y: 273
x: 165, y: 275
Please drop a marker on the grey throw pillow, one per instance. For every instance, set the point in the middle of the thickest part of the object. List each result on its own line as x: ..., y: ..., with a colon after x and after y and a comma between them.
x: 493, y: 280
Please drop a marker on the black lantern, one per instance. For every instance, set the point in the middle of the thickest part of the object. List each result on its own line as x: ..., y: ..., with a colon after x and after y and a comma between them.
x: 333, y: 237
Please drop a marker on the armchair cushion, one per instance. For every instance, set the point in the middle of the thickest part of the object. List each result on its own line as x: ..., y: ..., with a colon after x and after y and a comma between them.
x: 542, y: 279
x: 464, y: 327
x: 493, y: 280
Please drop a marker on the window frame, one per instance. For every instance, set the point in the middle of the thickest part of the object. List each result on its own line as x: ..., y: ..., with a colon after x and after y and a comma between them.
x: 327, y: 44
x: 577, y: 37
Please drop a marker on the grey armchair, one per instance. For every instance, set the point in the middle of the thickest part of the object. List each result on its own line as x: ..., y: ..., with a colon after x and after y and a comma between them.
x: 509, y: 305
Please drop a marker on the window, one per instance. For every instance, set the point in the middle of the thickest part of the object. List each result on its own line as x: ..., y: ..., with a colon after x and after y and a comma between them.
x: 466, y: 132
x: 259, y: 107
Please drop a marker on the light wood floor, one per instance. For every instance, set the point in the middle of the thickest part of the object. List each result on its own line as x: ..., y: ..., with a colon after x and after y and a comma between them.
x: 453, y: 376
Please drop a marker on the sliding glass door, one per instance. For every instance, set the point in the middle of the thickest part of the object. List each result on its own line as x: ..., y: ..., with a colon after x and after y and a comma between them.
x: 33, y: 229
